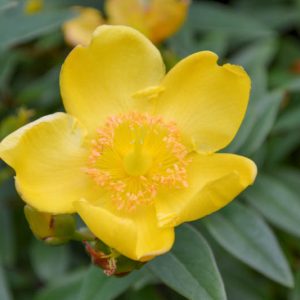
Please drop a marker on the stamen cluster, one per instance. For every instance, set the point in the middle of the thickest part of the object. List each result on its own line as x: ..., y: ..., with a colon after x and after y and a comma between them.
x: 150, y: 142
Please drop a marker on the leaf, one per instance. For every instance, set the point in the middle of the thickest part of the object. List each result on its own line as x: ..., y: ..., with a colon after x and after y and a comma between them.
x: 293, y: 85
x: 241, y: 283
x: 255, y: 59
x: 277, y: 202
x: 290, y: 176
x: 148, y: 278
x: 7, y: 234
x: 6, y: 4
x: 244, y: 234
x: 278, y: 17
x: 288, y: 120
x: 17, y: 27
x: 62, y: 288
x: 49, y: 262
x: 147, y: 293
x: 266, y: 112
x: 5, y: 293
x: 212, y: 16
x: 280, y: 146
x: 295, y: 294
x: 190, y: 268
x: 98, y: 286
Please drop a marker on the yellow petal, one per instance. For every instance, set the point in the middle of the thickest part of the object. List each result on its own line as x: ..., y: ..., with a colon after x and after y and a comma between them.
x: 48, y: 158
x: 157, y: 19
x: 135, y: 235
x: 214, y: 181
x: 99, y: 81
x: 79, y: 30
x: 207, y: 101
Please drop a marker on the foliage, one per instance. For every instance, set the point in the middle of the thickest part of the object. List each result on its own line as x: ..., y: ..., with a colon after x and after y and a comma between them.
x: 250, y: 249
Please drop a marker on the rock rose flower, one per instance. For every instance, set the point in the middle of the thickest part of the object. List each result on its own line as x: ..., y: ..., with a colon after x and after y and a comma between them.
x: 134, y: 155
x: 157, y: 19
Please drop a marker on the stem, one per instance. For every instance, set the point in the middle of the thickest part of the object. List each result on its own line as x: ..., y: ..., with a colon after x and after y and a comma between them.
x: 83, y: 234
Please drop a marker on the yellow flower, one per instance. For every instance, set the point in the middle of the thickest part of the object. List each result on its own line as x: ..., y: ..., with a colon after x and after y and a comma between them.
x: 135, y: 153
x: 33, y: 6
x: 79, y: 30
x: 157, y: 19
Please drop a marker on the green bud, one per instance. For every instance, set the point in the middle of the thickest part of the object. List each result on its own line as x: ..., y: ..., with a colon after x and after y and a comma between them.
x: 111, y: 261
x: 53, y: 229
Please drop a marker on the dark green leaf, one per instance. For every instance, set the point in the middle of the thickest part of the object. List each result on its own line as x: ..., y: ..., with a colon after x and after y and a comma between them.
x: 98, y: 286
x: 7, y: 235
x: 245, y: 235
x: 295, y: 294
x: 62, y: 288
x: 190, y: 267
x: 288, y: 120
x: 213, y: 16
x: 5, y: 293
x: 277, y: 202
x: 266, y: 112
x: 5, y: 4
x: 16, y: 27
x: 49, y: 262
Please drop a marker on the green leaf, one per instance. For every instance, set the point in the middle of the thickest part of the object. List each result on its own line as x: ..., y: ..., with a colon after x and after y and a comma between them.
x: 255, y: 59
x: 17, y: 27
x: 7, y: 234
x: 98, y: 286
x: 295, y: 294
x: 288, y: 120
x: 277, y: 202
x: 147, y: 293
x: 266, y: 112
x: 241, y: 283
x: 5, y: 293
x: 280, y: 146
x: 190, y: 268
x: 49, y: 262
x: 5, y: 4
x: 292, y: 85
x: 62, y: 288
x: 290, y: 176
x: 244, y: 234
x: 277, y: 17
x: 213, y: 16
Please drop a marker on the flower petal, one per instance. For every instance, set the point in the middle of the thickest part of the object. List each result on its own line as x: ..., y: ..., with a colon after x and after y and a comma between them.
x: 156, y: 19
x: 136, y: 236
x: 98, y: 81
x: 48, y: 158
x: 79, y: 30
x: 214, y: 181
x: 207, y: 101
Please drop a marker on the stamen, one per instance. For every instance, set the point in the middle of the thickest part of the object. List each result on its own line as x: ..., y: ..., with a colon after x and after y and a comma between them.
x: 135, y: 155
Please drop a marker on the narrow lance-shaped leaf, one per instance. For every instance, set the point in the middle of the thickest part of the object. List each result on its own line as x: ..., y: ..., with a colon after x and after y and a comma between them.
x: 277, y: 201
x: 243, y: 233
x: 266, y: 111
x: 190, y: 268
x: 17, y: 27
x: 5, y: 293
x: 98, y: 286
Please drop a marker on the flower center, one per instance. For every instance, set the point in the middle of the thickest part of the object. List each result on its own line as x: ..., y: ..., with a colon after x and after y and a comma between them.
x: 135, y: 155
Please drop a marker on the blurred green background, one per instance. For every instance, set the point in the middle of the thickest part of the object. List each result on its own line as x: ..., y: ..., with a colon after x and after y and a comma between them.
x: 255, y: 240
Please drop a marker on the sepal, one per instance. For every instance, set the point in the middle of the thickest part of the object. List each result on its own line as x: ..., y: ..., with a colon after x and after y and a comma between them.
x: 111, y: 261
x: 52, y: 229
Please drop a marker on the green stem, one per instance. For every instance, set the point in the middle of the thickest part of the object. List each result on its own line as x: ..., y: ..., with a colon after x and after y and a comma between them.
x: 83, y: 234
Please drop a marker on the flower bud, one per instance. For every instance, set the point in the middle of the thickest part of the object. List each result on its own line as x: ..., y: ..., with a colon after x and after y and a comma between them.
x: 53, y: 229
x: 108, y: 259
